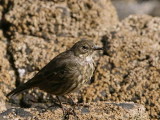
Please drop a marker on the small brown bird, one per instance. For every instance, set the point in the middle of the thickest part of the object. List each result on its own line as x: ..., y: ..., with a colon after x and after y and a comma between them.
x: 66, y: 72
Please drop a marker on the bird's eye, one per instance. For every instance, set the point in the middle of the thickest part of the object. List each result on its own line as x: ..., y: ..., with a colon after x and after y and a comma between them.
x: 85, y: 47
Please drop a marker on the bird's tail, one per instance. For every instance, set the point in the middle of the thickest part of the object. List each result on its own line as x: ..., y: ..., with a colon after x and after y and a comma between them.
x: 21, y: 88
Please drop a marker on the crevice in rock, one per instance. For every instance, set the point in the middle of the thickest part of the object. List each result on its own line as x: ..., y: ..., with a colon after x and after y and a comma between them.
x: 5, y: 25
x: 105, y: 44
x: 93, y: 77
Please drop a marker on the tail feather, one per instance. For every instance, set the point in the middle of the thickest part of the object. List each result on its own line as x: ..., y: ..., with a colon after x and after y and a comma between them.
x: 17, y: 90
x: 21, y: 88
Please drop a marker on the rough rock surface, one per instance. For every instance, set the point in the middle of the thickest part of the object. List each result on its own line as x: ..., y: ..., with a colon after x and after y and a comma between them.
x: 39, y: 30
x: 7, y: 76
x: 130, y: 72
x: 74, y: 18
x: 92, y: 111
x: 32, y: 53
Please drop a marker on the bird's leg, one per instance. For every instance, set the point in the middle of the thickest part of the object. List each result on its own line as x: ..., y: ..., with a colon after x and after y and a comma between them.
x: 66, y: 116
x: 74, y: 105
x: 60, y: 104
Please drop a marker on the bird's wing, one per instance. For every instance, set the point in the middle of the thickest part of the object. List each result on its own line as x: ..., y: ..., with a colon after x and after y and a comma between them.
x: 58, y: 68
x: 59, y: 79
x: 54, y: 72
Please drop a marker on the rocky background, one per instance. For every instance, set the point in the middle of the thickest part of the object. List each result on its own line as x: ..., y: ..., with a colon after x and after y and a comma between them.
x: 126, y: 82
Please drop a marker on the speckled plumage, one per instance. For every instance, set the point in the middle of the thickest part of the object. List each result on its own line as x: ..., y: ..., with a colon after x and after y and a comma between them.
x: 66, y: 72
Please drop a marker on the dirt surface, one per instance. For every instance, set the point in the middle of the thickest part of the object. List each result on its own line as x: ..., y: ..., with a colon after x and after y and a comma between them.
x: 92, y: 111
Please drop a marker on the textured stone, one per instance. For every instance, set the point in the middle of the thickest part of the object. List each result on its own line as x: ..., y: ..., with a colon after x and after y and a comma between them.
x: 7, y: 76
x: 40, y: 30
x: 130, y: 72
x: 61, y: 18
x: 94, y: 111
x: 32, y: 53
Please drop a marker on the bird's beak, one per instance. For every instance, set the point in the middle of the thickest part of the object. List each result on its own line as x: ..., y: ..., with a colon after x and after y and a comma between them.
x: 97, y: 48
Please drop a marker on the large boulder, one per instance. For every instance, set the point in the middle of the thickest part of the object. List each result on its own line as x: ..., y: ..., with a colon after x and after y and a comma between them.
x: 39, y: 30
x: 7, y: 74
x: 48, y: 19
x: 130, y: 69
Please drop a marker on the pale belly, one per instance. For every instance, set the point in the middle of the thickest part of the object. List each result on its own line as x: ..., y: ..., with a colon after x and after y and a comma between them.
x: 87, y: 70
x: 83, y: 74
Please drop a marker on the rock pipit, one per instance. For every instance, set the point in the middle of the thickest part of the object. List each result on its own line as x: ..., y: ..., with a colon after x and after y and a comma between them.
x: 65, y: 73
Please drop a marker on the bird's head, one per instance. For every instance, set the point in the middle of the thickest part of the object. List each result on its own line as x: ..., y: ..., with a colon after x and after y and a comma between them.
x: 84, y: 48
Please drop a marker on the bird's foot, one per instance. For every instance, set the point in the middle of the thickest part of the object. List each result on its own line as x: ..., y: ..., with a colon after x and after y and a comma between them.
x: 68, y: 112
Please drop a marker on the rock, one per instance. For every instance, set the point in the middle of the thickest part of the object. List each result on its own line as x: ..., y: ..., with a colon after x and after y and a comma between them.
x: 94, y: 111
x: 73, y: 18
x: 39, y: 30
x: 7, y: 75
x: 32, y: 53
x: 130, y: 72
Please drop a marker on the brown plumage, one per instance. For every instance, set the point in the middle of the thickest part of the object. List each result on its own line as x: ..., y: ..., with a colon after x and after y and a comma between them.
x: 66, y: 72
